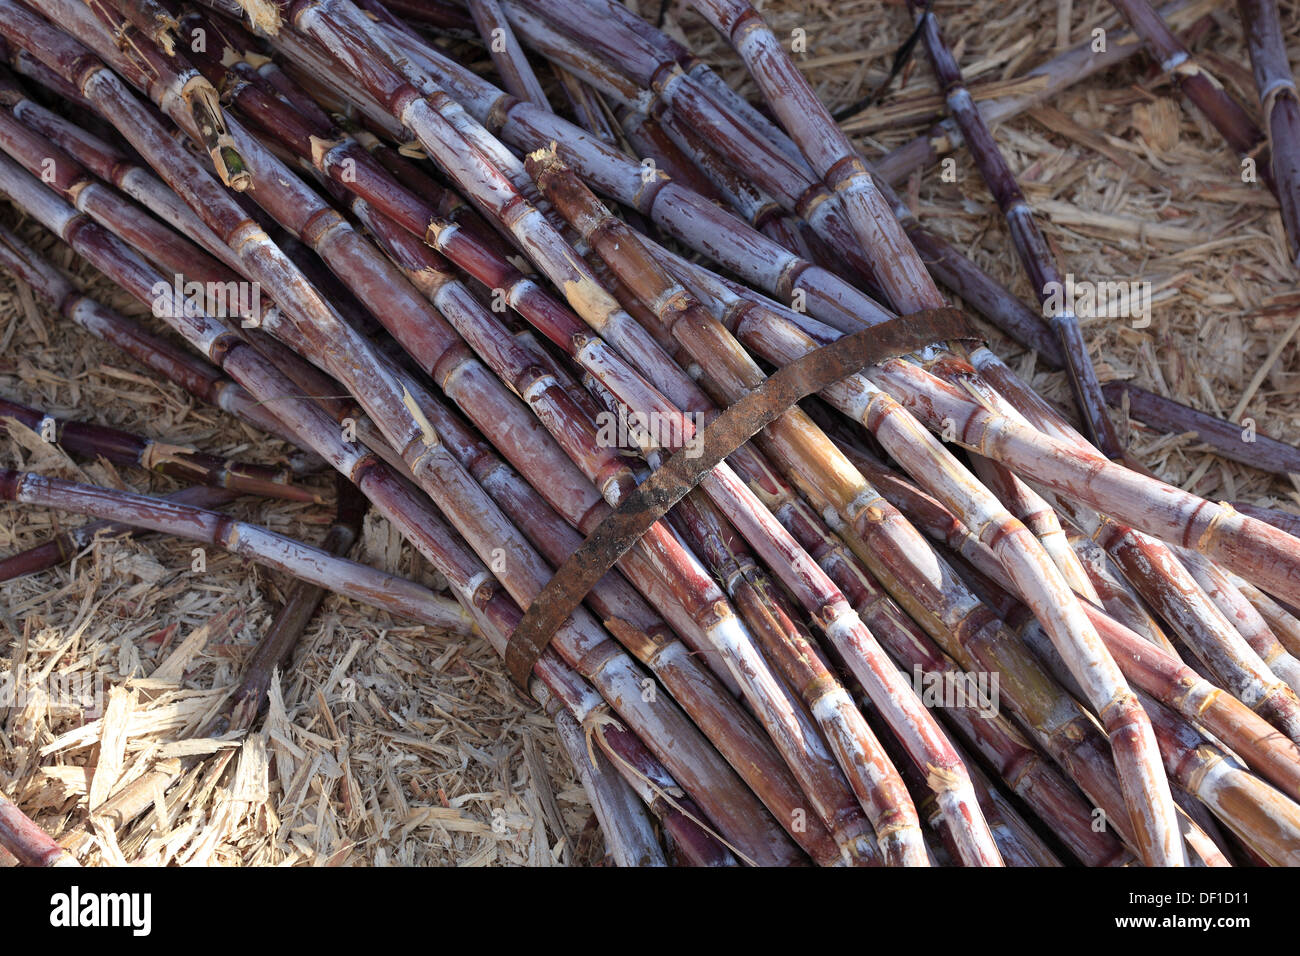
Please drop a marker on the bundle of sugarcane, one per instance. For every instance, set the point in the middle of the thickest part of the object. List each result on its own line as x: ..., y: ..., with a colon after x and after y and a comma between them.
x: 670, y: 397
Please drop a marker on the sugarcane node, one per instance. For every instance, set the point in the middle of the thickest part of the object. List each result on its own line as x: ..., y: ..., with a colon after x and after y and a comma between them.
x: 667, y: 485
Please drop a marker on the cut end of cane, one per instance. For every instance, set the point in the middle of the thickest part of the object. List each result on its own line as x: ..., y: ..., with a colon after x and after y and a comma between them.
x: 263, y: 15
x: 320, y: 146
x: 543, y: 160
x: 941, y: 779
x: 231, y: 168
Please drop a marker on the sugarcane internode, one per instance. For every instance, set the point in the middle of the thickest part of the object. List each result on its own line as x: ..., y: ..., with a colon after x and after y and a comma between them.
x: 662, y: 384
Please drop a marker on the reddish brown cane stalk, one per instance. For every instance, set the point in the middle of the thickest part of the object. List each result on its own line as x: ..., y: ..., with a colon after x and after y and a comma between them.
x: 1037, y: 258
x: 290, y: 621
x: 1115, y: 594
x: 508, y: 57
x: 353, y: 580
x: 699, y: 334
x: 725, y: 801
x: 1248, y: 621
x: 181, y: 463
x: 66, y: 545
x: 1237, y: 442
x: 1280, y: 103
x: 1265, y: 820
x: 28, y: 842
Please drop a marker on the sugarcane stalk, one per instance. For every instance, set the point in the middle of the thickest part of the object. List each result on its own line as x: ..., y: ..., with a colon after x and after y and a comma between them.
x: 26, y: 65
x: 71, y: 180
x: 66, y: 545
x: 300, y: 605
x: 301, y: 210
x: 184, y: 464
x: 686, y: 831
x: 615, y: 678
x: 1281, y: 620
x: 1280, y: 105
x: 507, y: 55
x: 1234, y: 441
x: 1244, y: 617
x: 435, y: 13
x: 1039, y: 517
x: 1282, y: 520
x: 348, y: 578
x: 1031, y: 245
x: 155, y: 20
x: 174, y: 364
x: 1265, y: 820
x: 629, y: 835
x: 1115, y: 594
x: 28, y: 842
x: 1019, y: 837
x: 1074, y: 65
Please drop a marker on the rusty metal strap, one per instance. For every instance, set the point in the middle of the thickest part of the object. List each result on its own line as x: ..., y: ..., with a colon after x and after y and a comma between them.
x: 667, y: 485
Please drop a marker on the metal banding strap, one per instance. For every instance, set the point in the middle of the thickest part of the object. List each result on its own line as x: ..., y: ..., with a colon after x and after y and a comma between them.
x: 655, y: 496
